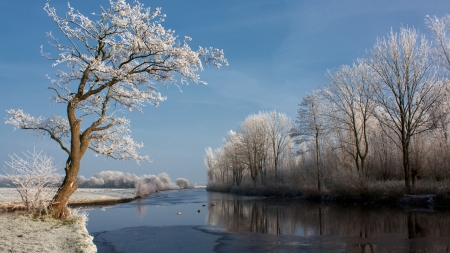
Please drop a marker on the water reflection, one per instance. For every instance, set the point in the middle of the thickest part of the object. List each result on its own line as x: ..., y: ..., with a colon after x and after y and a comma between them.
x: 141, y: 207
x: 360, y: 228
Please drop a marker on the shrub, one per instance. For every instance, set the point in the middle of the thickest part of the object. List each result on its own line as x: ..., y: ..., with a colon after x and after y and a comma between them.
x: 183, y: 183
x: 34, y: 178
x: 149, y: 184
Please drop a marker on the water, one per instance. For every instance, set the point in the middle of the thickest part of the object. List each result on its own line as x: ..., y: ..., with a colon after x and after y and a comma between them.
x: 159, y: 209
x: 254, y: 224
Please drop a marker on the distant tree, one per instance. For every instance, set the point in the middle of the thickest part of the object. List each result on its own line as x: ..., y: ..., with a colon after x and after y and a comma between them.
x: 164, y: 177
x: 222, y: 165
x: 409, y: 92
x: 311, y: 126
x: 278, y: 127
x: 350, y: 93
x: 183, y: 183
x: 255, y: 146
x: 210, y: 163
x: 113, y: 63
x: 441, y: 28
x: 233, y: 150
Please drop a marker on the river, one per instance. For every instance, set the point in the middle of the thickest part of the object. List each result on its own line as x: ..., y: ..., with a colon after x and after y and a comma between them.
x: 218, y: 222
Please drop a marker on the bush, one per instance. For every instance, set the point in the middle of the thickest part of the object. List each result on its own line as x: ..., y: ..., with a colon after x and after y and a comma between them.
x: 149, y: 184
x: 34, y: 178
x: 182, y: 183
x: 108, y: 179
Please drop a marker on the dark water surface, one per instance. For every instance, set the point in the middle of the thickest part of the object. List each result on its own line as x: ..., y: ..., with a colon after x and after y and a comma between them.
x: 230, y: 223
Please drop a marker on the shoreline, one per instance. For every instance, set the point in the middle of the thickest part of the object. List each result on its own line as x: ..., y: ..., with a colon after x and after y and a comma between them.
x: 10, y: 200
x: 428, y: 201
x: 95, y: 196
x: 25, y: 233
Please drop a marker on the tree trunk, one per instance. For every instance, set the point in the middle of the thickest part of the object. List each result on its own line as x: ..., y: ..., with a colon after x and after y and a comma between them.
x: 406, y: 167
x: 58, y: 208
x: 318, y: 162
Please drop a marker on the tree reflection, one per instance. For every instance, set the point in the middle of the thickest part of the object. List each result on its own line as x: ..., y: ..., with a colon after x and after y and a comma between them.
x: 364, y: 229
x: 140, y: 208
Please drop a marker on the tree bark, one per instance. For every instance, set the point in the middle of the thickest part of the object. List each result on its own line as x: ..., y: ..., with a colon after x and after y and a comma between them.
x: 58, y: 208
x: 318, y: 161
x: 406, y: 167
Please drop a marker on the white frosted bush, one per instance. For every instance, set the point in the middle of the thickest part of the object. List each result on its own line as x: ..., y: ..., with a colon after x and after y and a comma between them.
x: 34, y: 178
x: 164, y: 178
x: 149, y: 184
x: 182, y: 183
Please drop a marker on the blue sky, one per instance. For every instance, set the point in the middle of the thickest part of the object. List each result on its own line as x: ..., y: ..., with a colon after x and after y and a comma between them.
x: 278, y: 51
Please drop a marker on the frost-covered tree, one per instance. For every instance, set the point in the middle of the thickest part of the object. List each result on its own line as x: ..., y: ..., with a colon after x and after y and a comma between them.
x: 311, y: 126
x: 183, y: 183
x: 112, y: 63
x: 255, y: 146
x: 409, y: 92
x: 441, y: 28
x: 210, y: 163
x: 278, y: 128
x: 233, y: 150
x: 350, y: 93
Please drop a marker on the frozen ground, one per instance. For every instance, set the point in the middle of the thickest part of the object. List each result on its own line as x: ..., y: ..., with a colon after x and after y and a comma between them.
x: 9, y: 196
x: 20, y: 233
x: 86, y: 195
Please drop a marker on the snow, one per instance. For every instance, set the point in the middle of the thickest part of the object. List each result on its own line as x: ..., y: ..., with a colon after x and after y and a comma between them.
x: 22, y: 233
x: 10, y: 196
x: 87, y: 195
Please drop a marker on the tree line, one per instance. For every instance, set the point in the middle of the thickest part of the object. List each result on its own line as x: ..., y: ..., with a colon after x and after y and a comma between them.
x: 382, y: 118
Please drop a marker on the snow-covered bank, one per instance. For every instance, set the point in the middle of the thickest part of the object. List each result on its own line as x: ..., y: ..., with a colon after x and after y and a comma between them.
x: 10, y: 198
x: 21, y: 233
x: 101, y: 196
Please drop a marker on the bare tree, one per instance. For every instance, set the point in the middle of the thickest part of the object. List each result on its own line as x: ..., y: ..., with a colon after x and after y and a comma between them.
x: 409, y: 91
x: 113, y: 63
x: 310, y: 126
x: 440, y: 28
x: 350, y: 93
x: 210, y: 163
x: 233, y: 150
x: 255, y: 146
x: 278, y: 128
x: 34, y: 178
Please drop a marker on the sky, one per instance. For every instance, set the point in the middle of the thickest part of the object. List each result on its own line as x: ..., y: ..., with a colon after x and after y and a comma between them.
x: 278, y: 51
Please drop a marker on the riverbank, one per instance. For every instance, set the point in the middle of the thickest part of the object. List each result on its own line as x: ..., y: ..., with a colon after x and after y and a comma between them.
x: 10, y: 198
x: 425, y: 194
x: 24, y: 233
